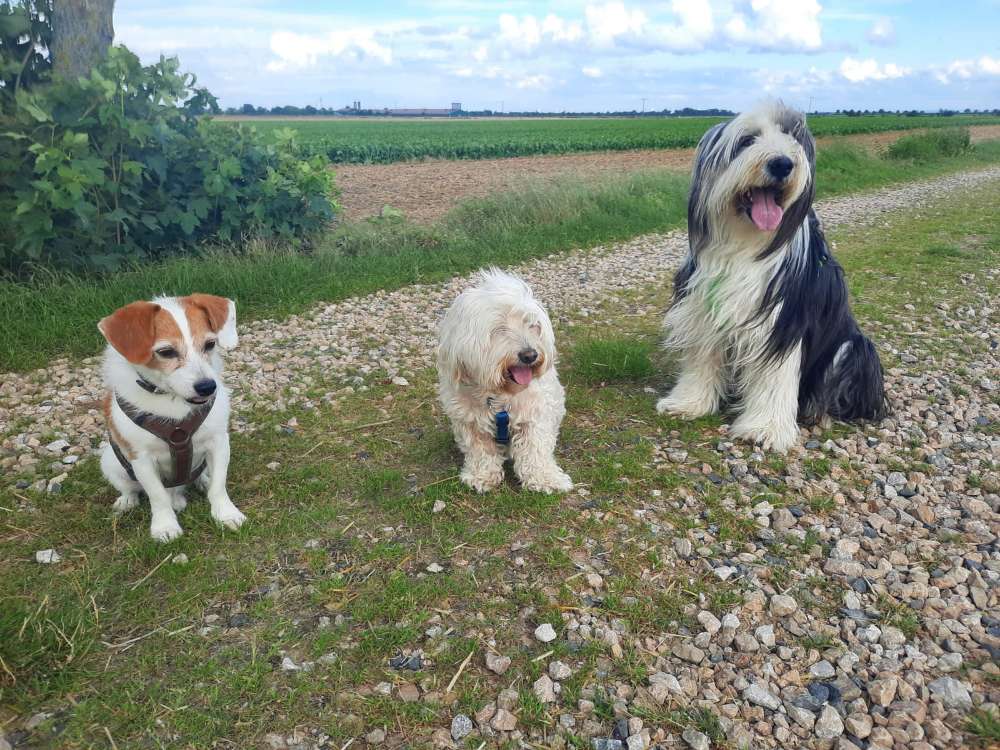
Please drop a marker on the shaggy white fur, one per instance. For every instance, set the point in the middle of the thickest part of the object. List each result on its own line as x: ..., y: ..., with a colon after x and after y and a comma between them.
x: 497, y: 353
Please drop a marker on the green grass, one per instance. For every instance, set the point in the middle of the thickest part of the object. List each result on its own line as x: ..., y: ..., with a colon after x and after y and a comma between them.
x: 984, y: 726
x: 66, y: 631
x: 607, y: 360
x: 56, y: 314
x: 349, y: 140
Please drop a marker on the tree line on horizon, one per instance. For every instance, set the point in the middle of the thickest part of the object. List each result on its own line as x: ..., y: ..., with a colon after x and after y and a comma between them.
x: 291, y: 110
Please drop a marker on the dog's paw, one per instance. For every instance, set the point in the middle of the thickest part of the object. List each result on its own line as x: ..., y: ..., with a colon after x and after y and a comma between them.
x: 124, y: 504
x: 165, y: 530
x: 549, y: 482
x: 179, y: 502
x: 774, y: 437
x: 685, y: 408
x: 481, y: 482
x: 229, y: 515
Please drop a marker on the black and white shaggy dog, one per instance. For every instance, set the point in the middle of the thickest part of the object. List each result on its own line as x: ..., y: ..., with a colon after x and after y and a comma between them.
x: 760, y: 311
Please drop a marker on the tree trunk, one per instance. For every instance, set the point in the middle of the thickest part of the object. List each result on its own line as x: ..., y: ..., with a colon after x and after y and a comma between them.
x: 82, y: 32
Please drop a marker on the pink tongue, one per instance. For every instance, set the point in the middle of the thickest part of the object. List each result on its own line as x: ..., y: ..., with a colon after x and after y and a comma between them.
x: 521, y: 374
x: 766, y: 214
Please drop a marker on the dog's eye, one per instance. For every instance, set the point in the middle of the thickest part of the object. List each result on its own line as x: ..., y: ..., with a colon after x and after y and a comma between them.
x: 745, y: 142
x: 209, y: 345
x: 167, y: 352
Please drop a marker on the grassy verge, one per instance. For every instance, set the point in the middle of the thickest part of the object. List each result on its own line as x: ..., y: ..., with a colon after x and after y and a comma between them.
x: 117, y: 641
x: 56, y: 315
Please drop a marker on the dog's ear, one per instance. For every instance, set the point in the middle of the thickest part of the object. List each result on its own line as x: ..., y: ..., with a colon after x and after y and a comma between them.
x: 706, y: 158
x: 131, y: 331
x: 221, y: 314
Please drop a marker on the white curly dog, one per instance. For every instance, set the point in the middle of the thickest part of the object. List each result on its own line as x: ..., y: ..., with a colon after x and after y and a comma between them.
x: 498, y: 384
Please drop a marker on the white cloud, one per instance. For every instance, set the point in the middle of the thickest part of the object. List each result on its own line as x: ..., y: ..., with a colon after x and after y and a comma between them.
x: 559, y: 30
x: 965, y: 69
x: 859, y: 71
x: 520, y: 34
x: 778, y: 26
x: 591, y: 71
x: 882, y: 32
x: 296, y: 51
x: 611, y: 20
x: 534, y: 82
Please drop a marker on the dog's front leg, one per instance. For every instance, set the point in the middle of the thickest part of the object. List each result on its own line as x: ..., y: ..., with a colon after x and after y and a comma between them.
x: 770, y: 403
x: 699, y: 386
x: 223, y: 510
x: 163, y: 526
x: 533, y: 450
x: 483, y: 466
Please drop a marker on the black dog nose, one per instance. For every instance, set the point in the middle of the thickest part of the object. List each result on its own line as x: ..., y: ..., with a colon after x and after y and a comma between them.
x: 527, y: 356
x: 780, y: 167
x: 205, y: 387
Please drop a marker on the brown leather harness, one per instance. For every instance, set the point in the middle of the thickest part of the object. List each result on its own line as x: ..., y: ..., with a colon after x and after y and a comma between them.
x: 176, y: 434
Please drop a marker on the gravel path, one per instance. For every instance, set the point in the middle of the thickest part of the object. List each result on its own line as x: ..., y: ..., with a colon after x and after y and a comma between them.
x: 49, y: 418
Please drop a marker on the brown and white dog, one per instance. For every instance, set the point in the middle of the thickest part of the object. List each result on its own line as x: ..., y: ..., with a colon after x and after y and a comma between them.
x: 166, y: 406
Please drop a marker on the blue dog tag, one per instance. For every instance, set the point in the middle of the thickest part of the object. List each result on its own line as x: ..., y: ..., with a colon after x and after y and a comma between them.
x: 503, y: 427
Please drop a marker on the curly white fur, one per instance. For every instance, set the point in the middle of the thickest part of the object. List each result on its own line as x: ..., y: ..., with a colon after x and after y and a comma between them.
x: 487, y: 334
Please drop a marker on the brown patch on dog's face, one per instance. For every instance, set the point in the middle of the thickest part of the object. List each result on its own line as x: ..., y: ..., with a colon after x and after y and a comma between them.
x: 133, y: 331
x: 206, y: 315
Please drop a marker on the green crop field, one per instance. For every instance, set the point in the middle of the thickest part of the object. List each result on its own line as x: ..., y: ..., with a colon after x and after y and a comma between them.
x: 385, y: 141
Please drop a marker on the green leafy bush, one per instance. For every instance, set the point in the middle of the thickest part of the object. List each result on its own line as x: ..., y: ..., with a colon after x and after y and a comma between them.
x: 121, y: 166
x: 25, y: 31
x: 932, y: 145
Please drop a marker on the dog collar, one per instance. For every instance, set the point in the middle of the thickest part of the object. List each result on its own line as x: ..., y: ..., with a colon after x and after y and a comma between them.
x: 147, y: 386
x: 501, y: 423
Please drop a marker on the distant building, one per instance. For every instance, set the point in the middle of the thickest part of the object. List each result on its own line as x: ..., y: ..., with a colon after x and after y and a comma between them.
x: 456, y: 108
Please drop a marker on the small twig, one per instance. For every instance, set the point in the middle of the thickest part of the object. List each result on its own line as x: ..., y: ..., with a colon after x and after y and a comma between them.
x: 347, y: 744
x: 439, y: 481
x: 6, y: 669
x: 110, y: 739
x: 458, y: 674
x: 345, y: 529
x: 374, y: 424
x: 543, y: 656
x: 142, y: 580
x: 321, y: 442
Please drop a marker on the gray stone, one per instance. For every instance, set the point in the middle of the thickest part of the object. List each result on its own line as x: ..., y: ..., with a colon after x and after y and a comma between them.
x: 544, y: 689
x: 696, y: 740
x: 892, y: 637
x: 689, y: 652
x: 801, y: 716
x: 709, y: 621
x: 545, y: 633
x: 497, y: 663
x: 829, y: 725
x: 951, y: 692
x: 859, y: 724
x: 761, y: 696
x: 822, y: 670
x: 504, y: 721
x: 783, y: 605
x: 560, y: 671
x: 683, y: 548
x: 461, y: 726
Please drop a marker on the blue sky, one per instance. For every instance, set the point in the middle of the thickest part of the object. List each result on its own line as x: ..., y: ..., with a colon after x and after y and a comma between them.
x: 592, y: 55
